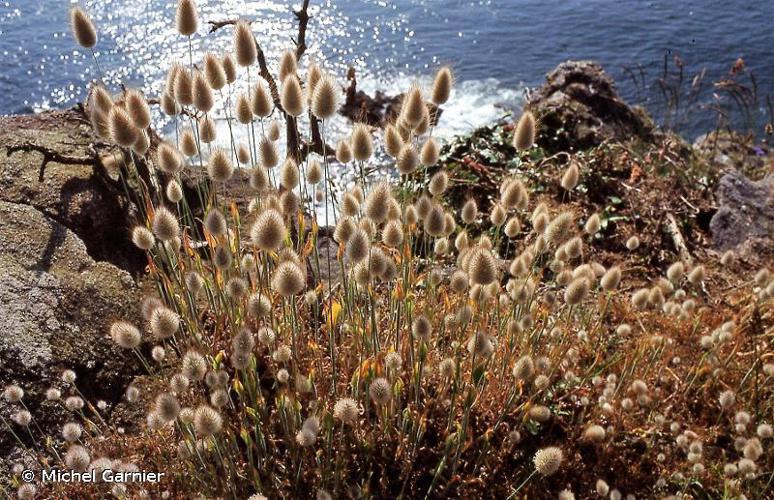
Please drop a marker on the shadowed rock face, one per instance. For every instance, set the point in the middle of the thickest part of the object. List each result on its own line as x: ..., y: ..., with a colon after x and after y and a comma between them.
x: 62, y: 237
x: 579, y: 107
x: 745, y: 217
x: 57, y: 304
x: 73, y: 188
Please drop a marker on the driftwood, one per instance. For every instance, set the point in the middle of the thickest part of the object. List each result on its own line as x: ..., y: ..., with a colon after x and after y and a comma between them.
x: 678, y: 240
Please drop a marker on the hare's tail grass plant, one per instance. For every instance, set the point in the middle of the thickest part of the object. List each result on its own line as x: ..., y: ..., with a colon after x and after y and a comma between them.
x: 409, y: 347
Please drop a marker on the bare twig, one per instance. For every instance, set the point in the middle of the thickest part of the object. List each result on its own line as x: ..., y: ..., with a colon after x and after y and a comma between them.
x: 295, y: 145
x: 50, y: 155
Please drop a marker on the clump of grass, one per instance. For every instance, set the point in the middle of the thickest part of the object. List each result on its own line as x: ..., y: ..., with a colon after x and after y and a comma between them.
x: 427, y: 353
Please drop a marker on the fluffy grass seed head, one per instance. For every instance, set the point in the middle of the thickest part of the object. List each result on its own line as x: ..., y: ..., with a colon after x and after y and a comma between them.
x: 268, y: 231
x: 525, y: 132
x: 313, y: 75
x: 438, y: 183
x: 213, y: 71
x: 193, y: 365
x: 292, y: 97
x: 123, y: 131
x: 229, y: 67
x: 288, y: 65
x: 243, y: 154
x: 168, y: 158
x: 594, y: 433
x: 142, y: 145
x: 343, y: 152
x: 77, y: 458
x: 314, y: 172
x: 164, y: 322
x: 482, y: 267
x: 377, y: 203
x: 166, y: 407
x: 442, y: 86
x: 559, y: 229
x: 413, y: 107
x: 346, y: 411
x: 325, y: 99
x: 143, y: 238
x: 138, y: 109
x: 727, y: 399
x: 186, y: 19
x: 469, y: 211
x: 611, y: 279
x: 548, y: 460
x: 243, y: 110
x: 262, y: 104
x: 71, y: 431
x: 408, y: 159
x: 244, y: 44
x: 83, y: 28
x: 393, y: 142
x: 219, y: 166
x: 524, y: 368
x: 571, y: 177
x: 514, y: 194
x: 696, y: 276
x: 13, y: 393
x: 207, y: 130
x: 207, y: 421
x: 392, y: 234
x: 165, y: 225
x: 358, y: 245
x: 361, y: 142
x: 188, y: 143
x: 380, y: 391
x: 289, y: 279
x: 428, y: 155
x: 435, y: 221
x: 215, y: 223
x: 125, y: 335
x: 592, y: 224
x: 289, y: 174
x: 267, y: 154
x: 183, y: 87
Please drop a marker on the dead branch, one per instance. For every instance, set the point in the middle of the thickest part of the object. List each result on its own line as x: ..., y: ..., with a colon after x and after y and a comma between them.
x: 295, y: 145
x: 50, y: 155
x: 678, y: 240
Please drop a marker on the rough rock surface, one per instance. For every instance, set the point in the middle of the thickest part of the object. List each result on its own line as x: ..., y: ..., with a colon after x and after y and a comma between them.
x: 52, y: 161
x: 56, y: 303
x: 579, y: 107
x: 745, y: 214
x: 63, y: 225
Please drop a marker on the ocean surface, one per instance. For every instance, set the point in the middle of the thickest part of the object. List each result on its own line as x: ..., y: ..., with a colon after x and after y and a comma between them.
x: 496, y: 47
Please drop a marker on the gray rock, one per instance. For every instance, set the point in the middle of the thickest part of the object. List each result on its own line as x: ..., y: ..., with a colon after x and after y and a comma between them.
x: 579, y: 107
x: 54, y: 162
x: 745, y: 213
x: 56, y: 305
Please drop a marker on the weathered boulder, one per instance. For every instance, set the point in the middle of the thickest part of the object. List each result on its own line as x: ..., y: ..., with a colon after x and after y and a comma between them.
x: 57, y: 303
x: 65, y: 249
x: 579, y: 107
x: 53, y: 161
x: 744, y: 220
x: 377, y: 110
